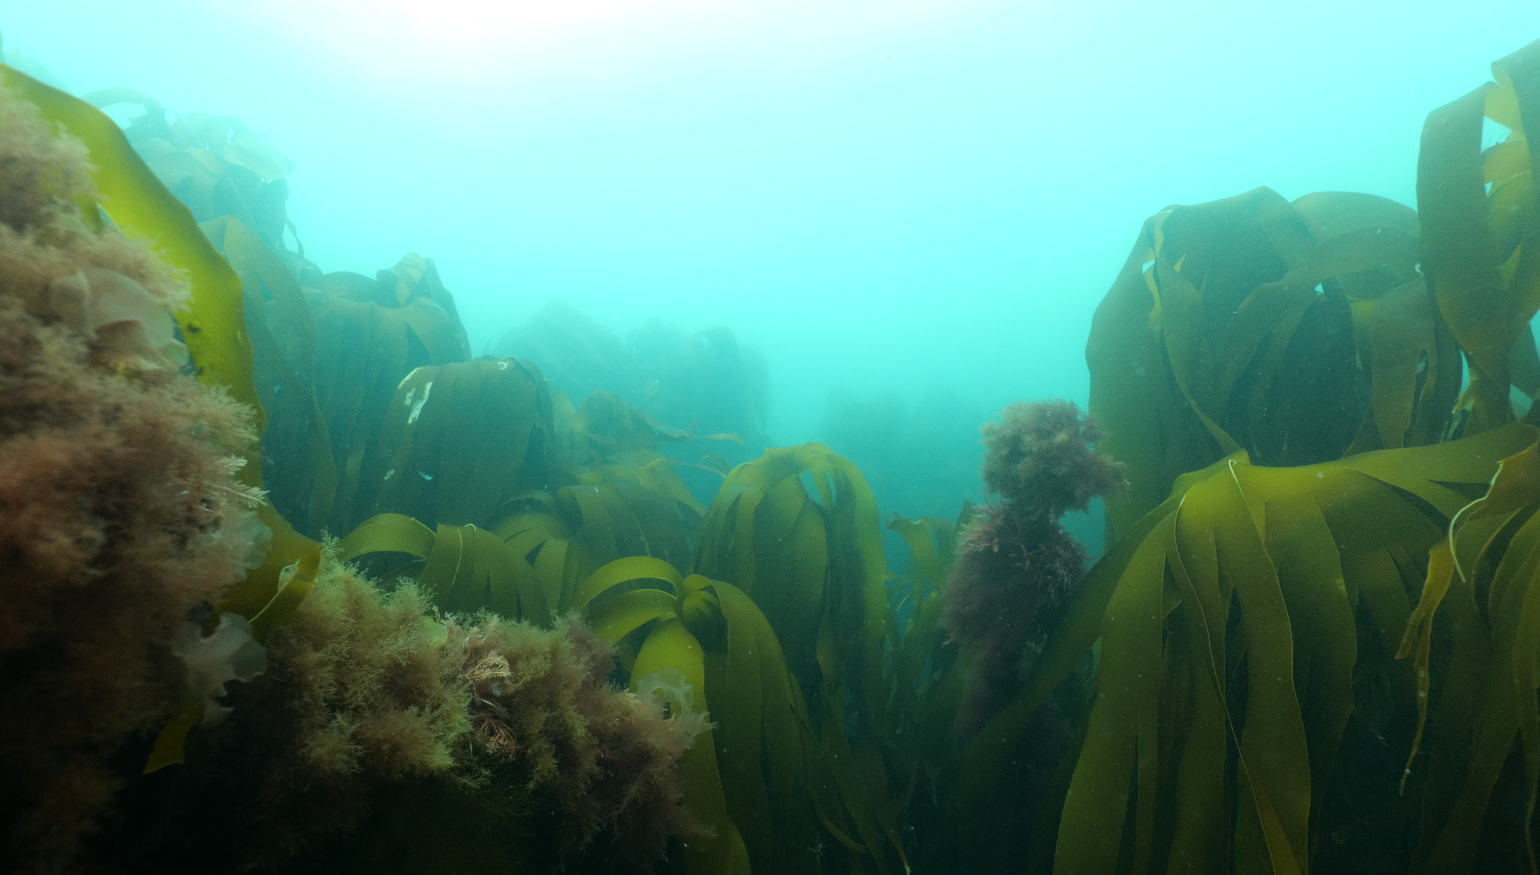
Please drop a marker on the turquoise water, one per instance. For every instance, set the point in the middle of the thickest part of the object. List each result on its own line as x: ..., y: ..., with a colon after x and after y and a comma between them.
x: 914, y: 204
x: 1313, y: 646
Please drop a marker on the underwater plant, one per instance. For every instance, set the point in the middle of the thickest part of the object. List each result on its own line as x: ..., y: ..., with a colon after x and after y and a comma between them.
x: 798, y: 532
x: 618, y: 487
x: 369, y: 335
x: 541, y: 542
x: 769, y: 783
x: 1016, y: 565
x: 457, y: 443
x: 368, y: 696
x: 329, y: 348
x: 1283, y: 382
x: 1296, y: 331
x: 123, y: 519
x: 216, y: 165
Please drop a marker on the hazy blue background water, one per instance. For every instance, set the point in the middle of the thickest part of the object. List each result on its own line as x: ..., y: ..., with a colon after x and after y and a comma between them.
x: 917, y: 203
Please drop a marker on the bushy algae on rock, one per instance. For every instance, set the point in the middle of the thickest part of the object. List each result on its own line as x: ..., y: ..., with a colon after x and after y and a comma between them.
x: 369, y: 700
x: 121, y: 517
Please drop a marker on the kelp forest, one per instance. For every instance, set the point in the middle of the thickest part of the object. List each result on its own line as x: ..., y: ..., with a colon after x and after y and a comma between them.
x: 295, y: 583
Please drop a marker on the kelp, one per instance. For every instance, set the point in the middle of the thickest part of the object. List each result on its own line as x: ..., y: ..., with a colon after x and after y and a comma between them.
x: 929, y: 680
x: 674, y: 617
x: 548, y: 541
x: 1227, y: 620
x: 377, y: 333
x: 379, y: 371
x: 768, y: 763
x: 467, y: 467
x: 1253, y: 323
x: 1480, y: 219
x: 283, y: 371
x: 463, y: 568
x: 216, y: 165
x: 1478, y: 731
x: 783, y: 774
x: 815, y: 567
x: 457, y: 442
x: 1245, y: 622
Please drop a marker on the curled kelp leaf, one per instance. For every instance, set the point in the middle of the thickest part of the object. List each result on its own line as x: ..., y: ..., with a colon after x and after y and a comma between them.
x: 769, y: 757
x: 811, y: 560
x: 460, y: 569
x: 1253, y: 323
x: 1480, y: 237
x: 1480, y: 611
x: 456, y: 443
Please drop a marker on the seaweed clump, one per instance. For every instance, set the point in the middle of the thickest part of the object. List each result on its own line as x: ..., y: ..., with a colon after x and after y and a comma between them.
x: 1017, y: 566
x: 605, y: 759
x: 119, y: 517
x: 381, y: 738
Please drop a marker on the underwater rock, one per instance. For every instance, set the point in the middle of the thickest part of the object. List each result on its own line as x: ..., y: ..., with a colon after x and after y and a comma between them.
x: 121, y: 519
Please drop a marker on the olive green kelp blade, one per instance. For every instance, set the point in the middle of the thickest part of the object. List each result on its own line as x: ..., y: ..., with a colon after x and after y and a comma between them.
x: 374, y: 333
x: 671, y: 658
x: 464, y: 568
x: 632, y: 504
x: 1252, y: 323
x: 457, y: 442
x: 1475, y: 639
x: 928, y: 681
x: 1247, y: 578
x: 1481, y: 231
x: 298, y: 470
x: 768, y: 787
x: 809, y: 563
x: 216, y: 165
x: 812, y: 561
